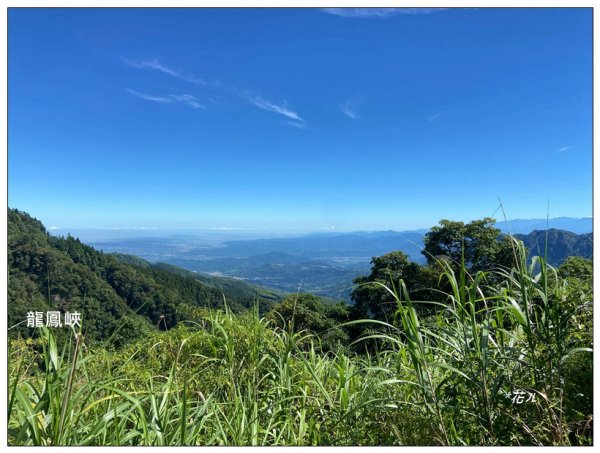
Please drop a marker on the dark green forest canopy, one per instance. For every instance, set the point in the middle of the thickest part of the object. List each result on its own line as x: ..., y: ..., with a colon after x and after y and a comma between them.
x: 479, y: 243
x: 481, y: 246
x: 120, y: 298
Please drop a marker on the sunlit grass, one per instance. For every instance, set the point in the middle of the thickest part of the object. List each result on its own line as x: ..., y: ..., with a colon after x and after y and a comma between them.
x: 225, y: 379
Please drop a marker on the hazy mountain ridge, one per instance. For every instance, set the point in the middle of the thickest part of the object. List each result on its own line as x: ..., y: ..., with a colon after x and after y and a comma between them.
x: 560, y: 244
x: 324, y: 263
x: 576, y: 225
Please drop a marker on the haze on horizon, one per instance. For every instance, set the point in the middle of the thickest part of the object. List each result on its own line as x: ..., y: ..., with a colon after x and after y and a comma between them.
x: 298, y: 119
x: 220, y: 235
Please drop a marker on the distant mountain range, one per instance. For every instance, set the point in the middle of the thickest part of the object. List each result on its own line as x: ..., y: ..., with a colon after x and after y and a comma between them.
x: 525, y: 226
x: 326, y: 263
x: 560, y: 244
x: 340, y: 247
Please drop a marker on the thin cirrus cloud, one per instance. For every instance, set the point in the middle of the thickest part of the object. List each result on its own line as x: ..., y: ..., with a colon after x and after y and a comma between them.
x: 297, y: 124
x: 264, y: 104
x: 378, y: 12
x: 156, y: 65
x: 350, y: 109
x: 563, y: 149
x: 247, y: 95
x: 435, y: 116
x: 186, y: 99
x: 438, y: 116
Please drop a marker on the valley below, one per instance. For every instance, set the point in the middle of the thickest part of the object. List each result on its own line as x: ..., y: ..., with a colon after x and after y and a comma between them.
x: 324, y: 264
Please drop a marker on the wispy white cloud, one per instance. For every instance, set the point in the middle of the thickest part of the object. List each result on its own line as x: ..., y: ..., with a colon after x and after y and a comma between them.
x: 563, y: 149
x: 297, y: 124
x: 350, y: 109
x: 378, y: 12
x: 435, y: 117
x: 267, y: 105
x: 189, y: 100
x: 186, y: 99
x: 151, y: 97
x: 156, y: 65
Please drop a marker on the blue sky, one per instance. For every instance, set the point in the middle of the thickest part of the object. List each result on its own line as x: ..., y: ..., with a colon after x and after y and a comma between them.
x: 300, y: 119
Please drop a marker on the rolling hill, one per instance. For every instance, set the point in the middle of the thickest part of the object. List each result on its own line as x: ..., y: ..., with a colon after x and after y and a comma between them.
x: 561, y: 244
x: 119, y: 297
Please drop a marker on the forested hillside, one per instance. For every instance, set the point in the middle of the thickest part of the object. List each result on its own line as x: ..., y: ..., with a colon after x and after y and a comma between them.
x: 120, y: 298
x: 480, y: 346
x: 561, y: 244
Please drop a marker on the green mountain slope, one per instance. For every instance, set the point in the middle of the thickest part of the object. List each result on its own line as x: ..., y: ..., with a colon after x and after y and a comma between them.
x: 561, y: 244
x: 119, y: 298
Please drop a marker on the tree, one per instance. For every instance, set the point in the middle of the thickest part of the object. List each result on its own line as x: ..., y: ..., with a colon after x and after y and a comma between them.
x: 577, y: 267
x: 373, y: 300
x: 309, y: 313
x: 483, y: 246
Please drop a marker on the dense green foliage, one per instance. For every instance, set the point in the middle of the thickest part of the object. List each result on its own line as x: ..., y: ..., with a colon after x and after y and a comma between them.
x: 227, y: 379
x: 240, y: 293
x: 371, y: 299
x: 477, y: 246
x: 307, y: 313
x: 55, y: 273
x: 478, y: 243
x: 308, y: 373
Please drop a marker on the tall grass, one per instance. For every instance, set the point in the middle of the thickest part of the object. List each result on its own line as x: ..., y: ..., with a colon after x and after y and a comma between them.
x: 226, y: 379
